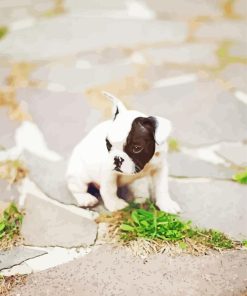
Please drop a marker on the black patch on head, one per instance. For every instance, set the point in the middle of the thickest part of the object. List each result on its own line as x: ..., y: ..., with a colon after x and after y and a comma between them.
x: 108, y: 145
x: 140, y: 144
x: 116, y: 113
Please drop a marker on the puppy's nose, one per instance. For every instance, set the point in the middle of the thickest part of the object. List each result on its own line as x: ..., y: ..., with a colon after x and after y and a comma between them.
x: 118, y: 161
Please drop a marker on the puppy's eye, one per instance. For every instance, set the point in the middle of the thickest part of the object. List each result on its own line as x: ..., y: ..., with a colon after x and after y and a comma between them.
x: 108, y: 145
x: 137, y: 149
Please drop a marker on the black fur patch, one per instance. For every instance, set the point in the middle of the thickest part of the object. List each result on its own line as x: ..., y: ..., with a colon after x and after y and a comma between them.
x: 116, y: 113
x: 141, y: 136
x: 108, y: 145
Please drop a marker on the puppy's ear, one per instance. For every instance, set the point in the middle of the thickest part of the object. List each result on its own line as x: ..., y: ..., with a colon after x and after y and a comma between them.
x: 118, y: 106
x: 163, y: 128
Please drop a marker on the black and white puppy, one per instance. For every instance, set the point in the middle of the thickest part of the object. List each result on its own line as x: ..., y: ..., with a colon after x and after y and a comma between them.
x: 117, y: 152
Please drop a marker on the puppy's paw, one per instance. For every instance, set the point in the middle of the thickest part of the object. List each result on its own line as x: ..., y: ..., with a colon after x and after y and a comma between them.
x: 85, y: 199
x: 116, y: 204
x: 169, y: 206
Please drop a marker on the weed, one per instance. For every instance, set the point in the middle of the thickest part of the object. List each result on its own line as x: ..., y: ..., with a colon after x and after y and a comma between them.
x: 241, y: 177
x: 146, y: 223
x: 173, y: 145
x: 10, y: 224
x: 3, y: 31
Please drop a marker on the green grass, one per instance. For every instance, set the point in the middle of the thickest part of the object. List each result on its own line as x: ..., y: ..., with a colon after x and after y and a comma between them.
x: 241, y: 177
x: 147, y: 222
x: 244, y: 243
x: 3, y: 31
x: 173, y: 145
x: 10, y: 224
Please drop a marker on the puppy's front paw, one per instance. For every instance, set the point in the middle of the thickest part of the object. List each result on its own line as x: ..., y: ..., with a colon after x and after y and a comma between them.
x: 85, y: 199
x: 116, y: 204
x: 169, y: 205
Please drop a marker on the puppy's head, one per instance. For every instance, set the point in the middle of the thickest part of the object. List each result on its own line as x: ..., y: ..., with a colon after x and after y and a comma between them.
x: 133, y: 137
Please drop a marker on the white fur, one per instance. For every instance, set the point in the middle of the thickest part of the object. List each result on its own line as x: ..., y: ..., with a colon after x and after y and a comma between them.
x: 90, y: 162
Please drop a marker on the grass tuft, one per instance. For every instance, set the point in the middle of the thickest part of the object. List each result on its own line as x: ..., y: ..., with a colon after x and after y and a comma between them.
x: 10, y: 223
x: 241, y: 177
x: 3, y: 31
x: 159, y: 230
x: 173, y: 145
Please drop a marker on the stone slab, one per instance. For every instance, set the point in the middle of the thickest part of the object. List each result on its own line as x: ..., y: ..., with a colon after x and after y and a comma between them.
x: 240, y: 7
x: 4, y: 72
x: 235, y: 74
x: 46, y: 224
x: 17, y: 255
x: 222, y: 30
x: 189, y: 53
x: 49, y: 176
x: 80, y: 6
x: 187, y: 9
x: 3, y: 206
x: 77, y: 80
x: 182, y: 165
x: 67, y: 35
x: 235, y: 153
x: 238, y: 49
x: 7, y: 129
x: 221, y: 205
x: 198, y: 112
x: 8, y: 192
x: 63, y: 117
x: 114, y: 271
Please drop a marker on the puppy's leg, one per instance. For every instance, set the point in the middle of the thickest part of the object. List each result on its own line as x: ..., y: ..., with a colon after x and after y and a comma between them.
x: 79, y: 190
x: 160, y: 189
x: 108, y: 191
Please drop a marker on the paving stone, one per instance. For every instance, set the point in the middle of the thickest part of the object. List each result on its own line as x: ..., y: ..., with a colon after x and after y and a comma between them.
x: 182, y: 165
x: 112, y: 55
x: 115, y: 271
x: 221, y: 205
x: 235, y: 153
x: 77, y: 80
x: 8, y: 192
x: 4, y: 71
x: 67, y: 36
x: 22, y: 268
x: 49, y: 176
x: 80, y: 6
x: 198, y: 111
x: 3, y: 206
x: 17, y: 255
x: 193, y: 54
x: 7, y: 129
x: 240, y: 7
x: 239, y: 49
x: 223, y: 30
x: 187, y: 9
x: 236, y: 75
x: 63, y: 118
x: 46, y: 224
x: 159, y: 72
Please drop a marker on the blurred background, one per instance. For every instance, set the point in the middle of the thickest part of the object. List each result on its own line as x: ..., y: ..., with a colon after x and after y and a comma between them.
x: 184, y: 60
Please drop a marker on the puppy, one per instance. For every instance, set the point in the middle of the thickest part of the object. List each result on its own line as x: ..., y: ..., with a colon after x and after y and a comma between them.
x: 117, y: 152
